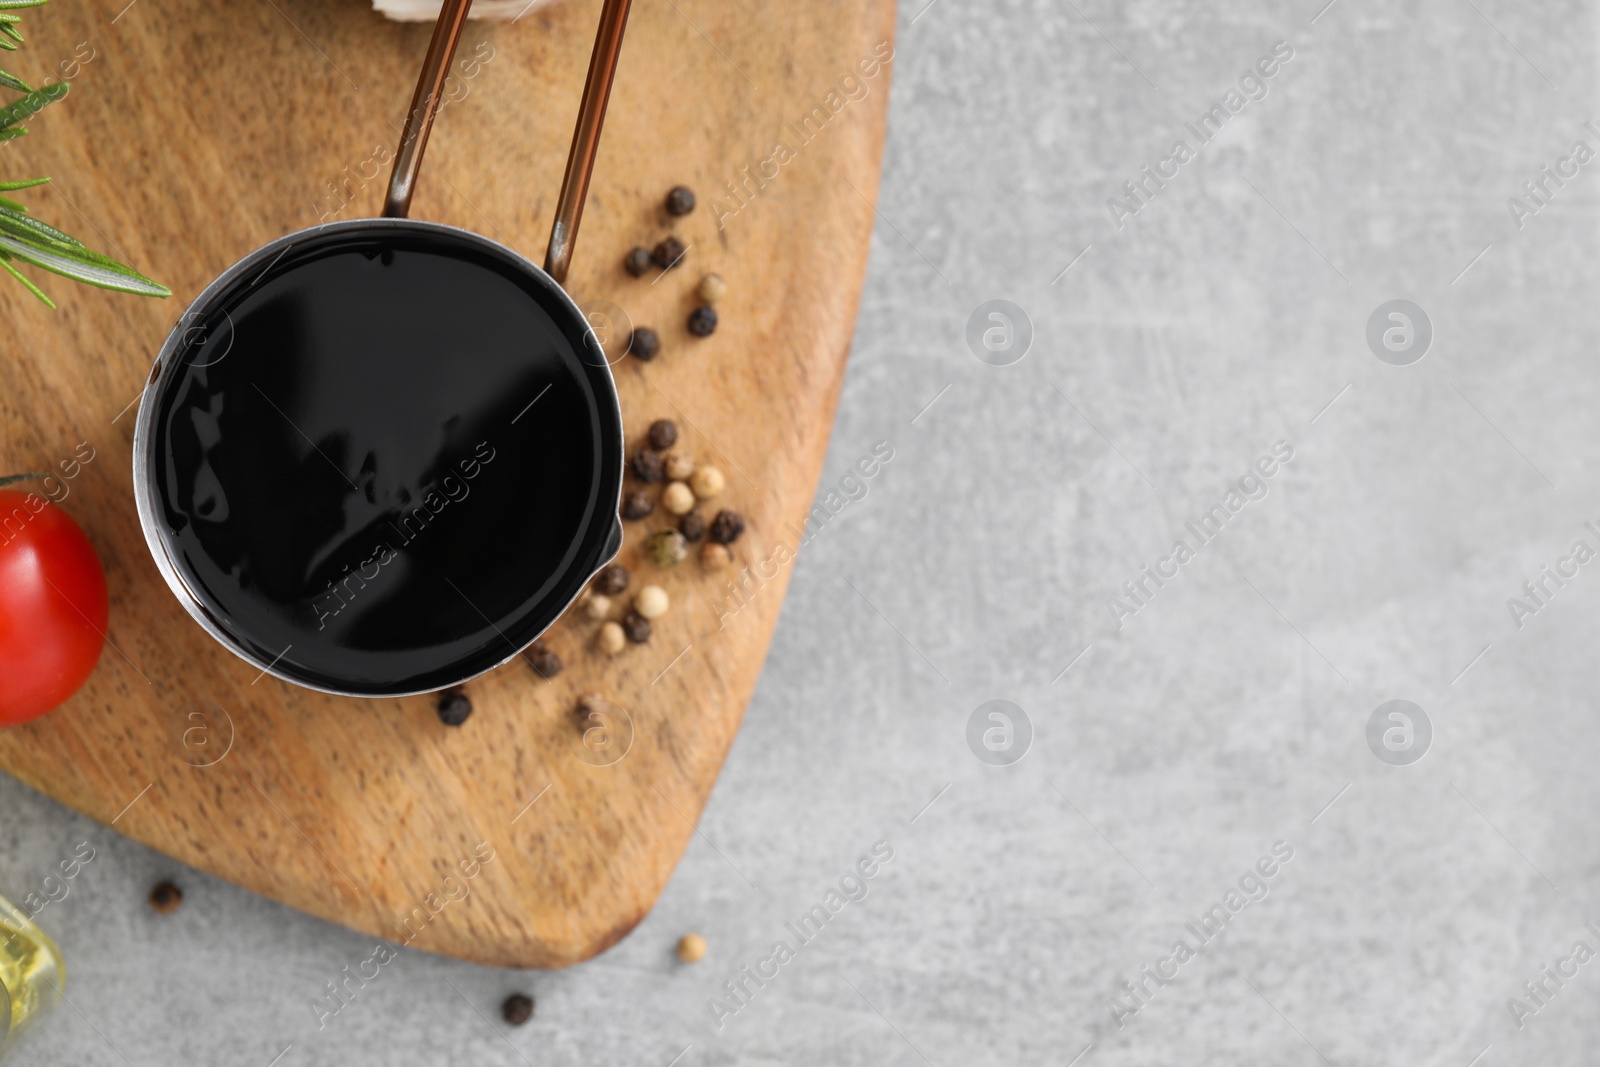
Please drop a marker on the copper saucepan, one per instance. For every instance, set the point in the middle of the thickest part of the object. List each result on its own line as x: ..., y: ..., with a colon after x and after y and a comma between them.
x: 379, y: 457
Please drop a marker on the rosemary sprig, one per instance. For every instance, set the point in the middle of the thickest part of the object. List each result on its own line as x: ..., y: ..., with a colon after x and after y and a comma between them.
x: 25, y: 238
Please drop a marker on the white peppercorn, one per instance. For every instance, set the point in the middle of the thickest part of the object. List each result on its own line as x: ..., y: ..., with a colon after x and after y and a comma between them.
x: 680, y: 465
x: 712, y: 288
x: 691, y: 948
x: 611, y: 639
x: 651, y: 602
x: 678, y: 498
x: 707, y: 482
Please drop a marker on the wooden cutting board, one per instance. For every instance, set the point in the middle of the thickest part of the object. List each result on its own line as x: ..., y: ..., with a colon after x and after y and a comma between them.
x: 197, y: 131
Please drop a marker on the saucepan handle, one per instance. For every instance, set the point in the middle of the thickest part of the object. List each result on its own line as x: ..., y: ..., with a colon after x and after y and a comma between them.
x: 424, y: 105
x: 585, y: 136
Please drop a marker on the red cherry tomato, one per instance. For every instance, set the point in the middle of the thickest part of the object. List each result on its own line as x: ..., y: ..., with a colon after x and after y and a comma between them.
x: 52, y: 606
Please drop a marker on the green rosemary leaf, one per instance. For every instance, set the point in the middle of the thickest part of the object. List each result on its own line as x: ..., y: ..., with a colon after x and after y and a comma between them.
x: 33, y: 103
x: 34, y: 289
x: 125, y: 280
x: 77, y: 253
x: 14, y: 478
x: 27, y: 228
x: 44, y: 238
x: 26, y: 238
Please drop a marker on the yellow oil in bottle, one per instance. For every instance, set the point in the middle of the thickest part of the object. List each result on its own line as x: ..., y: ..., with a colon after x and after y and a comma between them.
x: 31, y: 972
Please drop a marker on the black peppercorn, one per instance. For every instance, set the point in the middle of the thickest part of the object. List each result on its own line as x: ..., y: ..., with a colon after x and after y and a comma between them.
x: 612, y: 580
x: 165, y: 898
x: 663, y: 434
x: 703, y: 321
x: 643, y: 343
x: 692, y: 526
x: 649, y: 465
x: 637, y: 262
x: 680, y: 200
x: 543, y: 661
x: 636, y: 504
x: 517, y: 1009
x: 637, y: 627
x: 454, y: 708
x: 727, y: 527
x: 669, y: 253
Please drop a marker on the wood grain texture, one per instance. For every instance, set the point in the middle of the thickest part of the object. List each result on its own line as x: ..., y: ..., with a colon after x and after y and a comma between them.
x: 200, y: 130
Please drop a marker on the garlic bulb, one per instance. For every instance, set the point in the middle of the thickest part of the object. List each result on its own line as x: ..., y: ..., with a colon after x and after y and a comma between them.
x: 428, y: 10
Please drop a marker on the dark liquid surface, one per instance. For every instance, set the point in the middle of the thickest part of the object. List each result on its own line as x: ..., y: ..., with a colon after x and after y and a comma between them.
x: 385, y: 460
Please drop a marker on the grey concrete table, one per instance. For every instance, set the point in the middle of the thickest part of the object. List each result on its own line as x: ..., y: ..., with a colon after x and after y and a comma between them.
x: 1198, y: 769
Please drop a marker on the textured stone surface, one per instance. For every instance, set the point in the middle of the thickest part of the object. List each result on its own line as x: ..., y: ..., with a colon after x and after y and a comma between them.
x: 1224, y: 716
